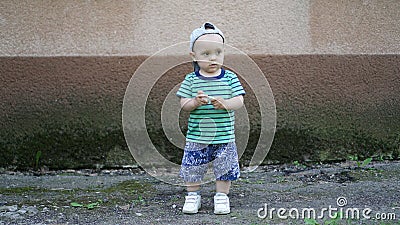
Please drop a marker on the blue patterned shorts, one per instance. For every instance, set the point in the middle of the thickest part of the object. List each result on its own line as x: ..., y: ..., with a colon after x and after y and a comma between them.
x: 197, y: 157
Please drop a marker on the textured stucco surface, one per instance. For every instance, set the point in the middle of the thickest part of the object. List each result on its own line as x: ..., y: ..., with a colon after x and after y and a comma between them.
x: 365, y: 26
x: 333, y: 67
x: 84, y: 27
x: 70, y: 107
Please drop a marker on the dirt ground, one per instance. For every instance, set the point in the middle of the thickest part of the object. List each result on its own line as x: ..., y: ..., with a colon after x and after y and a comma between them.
x: 353, y: 192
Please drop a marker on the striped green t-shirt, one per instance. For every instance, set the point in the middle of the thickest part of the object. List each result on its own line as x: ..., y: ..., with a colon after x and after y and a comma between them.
x: 208, y: 125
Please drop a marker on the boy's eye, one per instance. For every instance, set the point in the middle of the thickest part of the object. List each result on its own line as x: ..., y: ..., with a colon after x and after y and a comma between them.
x: 206, y: 53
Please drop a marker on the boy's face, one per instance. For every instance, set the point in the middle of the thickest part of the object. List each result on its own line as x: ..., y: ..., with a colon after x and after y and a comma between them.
x: 208, y: 51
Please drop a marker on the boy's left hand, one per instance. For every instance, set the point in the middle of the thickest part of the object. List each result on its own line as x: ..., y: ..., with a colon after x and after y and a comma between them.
x: 218, y: 103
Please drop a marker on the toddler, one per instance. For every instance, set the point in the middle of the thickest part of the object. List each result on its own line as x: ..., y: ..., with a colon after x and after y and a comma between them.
x: 210, y: 94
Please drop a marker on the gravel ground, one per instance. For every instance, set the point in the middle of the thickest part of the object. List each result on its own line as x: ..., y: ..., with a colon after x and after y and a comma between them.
x: 130, y: 196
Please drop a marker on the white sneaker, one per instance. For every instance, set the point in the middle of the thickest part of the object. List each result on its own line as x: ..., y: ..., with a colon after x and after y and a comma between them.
x: 221, y: 204
x: 192, y: 204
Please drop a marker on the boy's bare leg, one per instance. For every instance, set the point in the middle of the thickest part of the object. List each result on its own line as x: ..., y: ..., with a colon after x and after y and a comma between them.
x: 192, y: 187
x: 223, y: 186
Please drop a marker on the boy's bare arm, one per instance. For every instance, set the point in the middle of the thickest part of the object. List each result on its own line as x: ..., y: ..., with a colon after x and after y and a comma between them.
x: 228, y: 104
x: 190, y: 104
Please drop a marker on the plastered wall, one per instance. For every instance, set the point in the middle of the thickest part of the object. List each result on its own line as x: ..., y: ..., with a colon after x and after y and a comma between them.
x: 333, y: 67
x: 88, y: 27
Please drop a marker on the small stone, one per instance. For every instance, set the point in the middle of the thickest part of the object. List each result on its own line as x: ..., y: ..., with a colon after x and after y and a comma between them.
x: 139, y: 214
x: 22, y: 211
x: 125, y: 207
x: 173, y: 206
x: 31, y: 210
x: 11, y: 208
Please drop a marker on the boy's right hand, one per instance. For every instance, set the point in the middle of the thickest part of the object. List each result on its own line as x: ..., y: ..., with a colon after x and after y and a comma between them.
x: 201, y: 98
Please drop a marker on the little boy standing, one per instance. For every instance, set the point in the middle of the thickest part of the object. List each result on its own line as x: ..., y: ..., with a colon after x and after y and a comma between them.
x: 211, y: 94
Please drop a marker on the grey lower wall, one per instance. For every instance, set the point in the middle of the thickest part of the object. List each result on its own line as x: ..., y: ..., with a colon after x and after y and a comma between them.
x: 329, y: 107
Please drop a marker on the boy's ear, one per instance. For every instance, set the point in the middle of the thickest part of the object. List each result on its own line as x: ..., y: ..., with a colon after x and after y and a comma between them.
x: 192, y: 55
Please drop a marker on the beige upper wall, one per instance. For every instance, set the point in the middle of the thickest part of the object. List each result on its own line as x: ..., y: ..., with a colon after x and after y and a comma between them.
x: 364, y: 26
x: 126, y: 27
